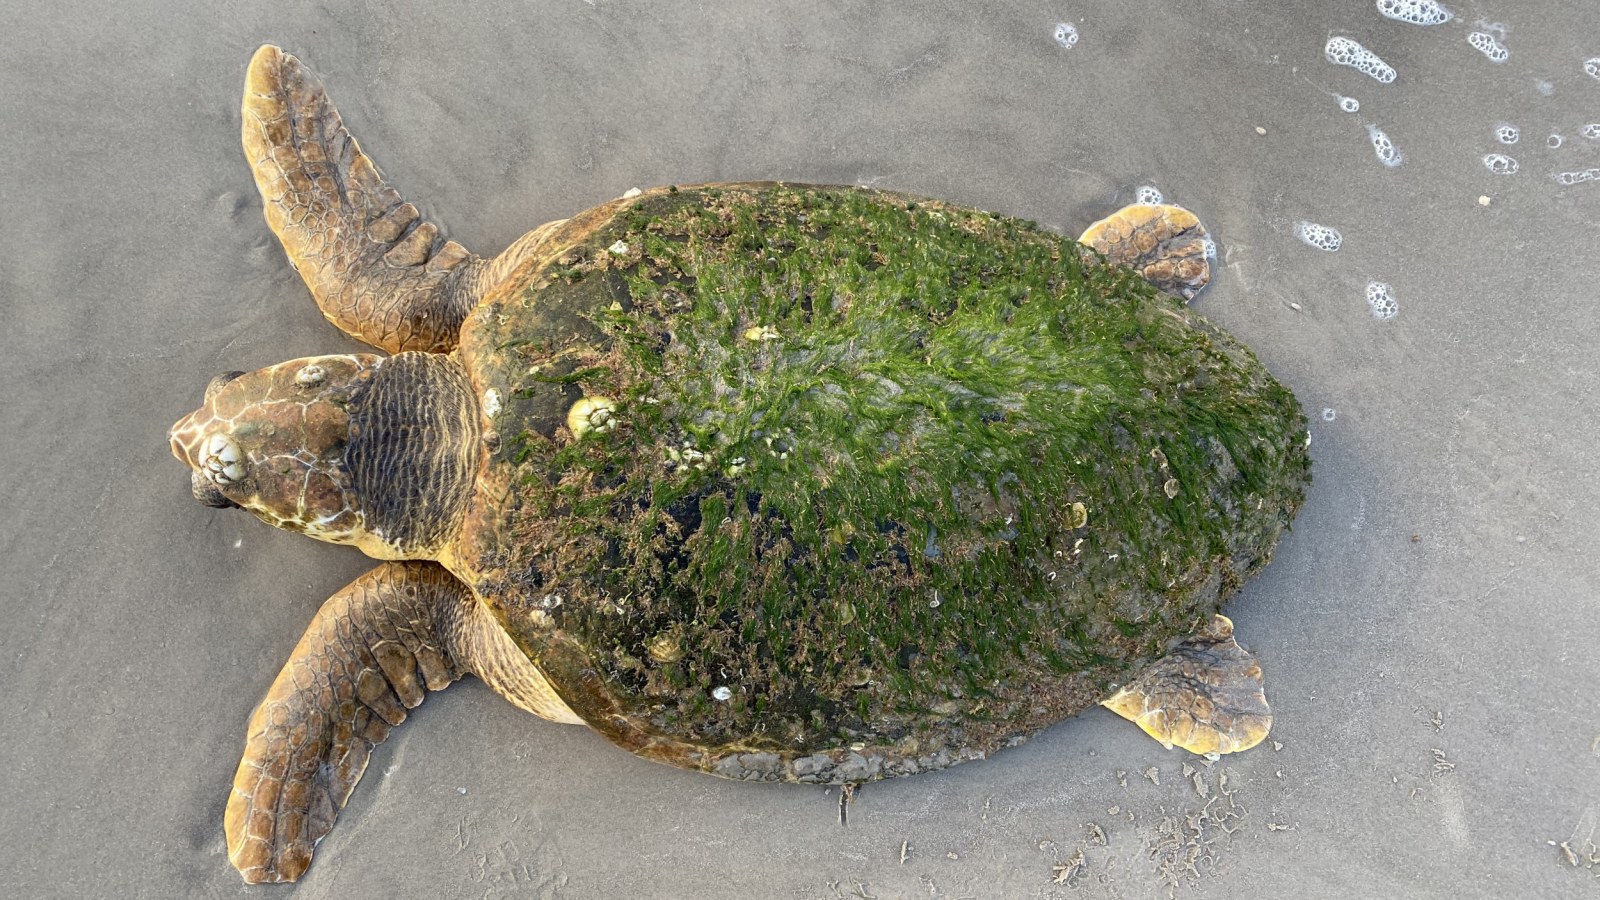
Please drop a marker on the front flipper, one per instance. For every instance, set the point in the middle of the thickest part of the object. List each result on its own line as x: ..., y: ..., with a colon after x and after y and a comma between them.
x: 379, y: 273
x: 371, y: 653
x: 1205, y: 695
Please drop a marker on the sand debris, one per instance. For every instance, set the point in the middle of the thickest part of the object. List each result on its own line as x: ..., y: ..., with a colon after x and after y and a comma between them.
x: 1064, y: 873
x: 1441, y: 766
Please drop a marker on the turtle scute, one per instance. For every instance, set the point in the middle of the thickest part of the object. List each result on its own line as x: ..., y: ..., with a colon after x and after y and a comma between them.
x: 878, y: 477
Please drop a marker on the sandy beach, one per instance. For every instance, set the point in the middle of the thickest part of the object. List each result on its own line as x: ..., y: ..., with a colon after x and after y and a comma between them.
x: 1429, y: 630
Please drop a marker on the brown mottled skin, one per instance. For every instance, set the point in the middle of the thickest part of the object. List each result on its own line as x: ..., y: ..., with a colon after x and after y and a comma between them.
x: 391, y: 455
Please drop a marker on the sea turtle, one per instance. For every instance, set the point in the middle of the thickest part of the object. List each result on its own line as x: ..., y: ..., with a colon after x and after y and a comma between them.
x: 775, y: 481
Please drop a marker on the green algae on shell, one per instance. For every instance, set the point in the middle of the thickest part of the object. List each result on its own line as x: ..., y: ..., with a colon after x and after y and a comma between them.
x: 878, y: 476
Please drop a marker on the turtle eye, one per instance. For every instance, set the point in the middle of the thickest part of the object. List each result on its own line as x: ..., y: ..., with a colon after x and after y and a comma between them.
x: 216, y: 383
x: 208, y: 493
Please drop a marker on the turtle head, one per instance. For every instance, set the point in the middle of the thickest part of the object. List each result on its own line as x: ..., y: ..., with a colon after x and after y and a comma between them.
x: 379, y: 452
x: 273, y: 442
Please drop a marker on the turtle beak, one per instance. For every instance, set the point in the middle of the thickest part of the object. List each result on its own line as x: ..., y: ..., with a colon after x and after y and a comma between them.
x: 185, y: 438
x: 188, y: 432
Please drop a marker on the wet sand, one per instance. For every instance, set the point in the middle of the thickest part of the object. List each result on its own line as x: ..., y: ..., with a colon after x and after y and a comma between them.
x: 1428, y: 631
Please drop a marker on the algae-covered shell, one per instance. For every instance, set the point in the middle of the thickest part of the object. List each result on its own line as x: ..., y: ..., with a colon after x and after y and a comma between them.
x: 965, y: 478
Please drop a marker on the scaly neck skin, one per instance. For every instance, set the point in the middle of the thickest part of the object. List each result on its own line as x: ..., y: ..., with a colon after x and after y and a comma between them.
x: 413, y: 454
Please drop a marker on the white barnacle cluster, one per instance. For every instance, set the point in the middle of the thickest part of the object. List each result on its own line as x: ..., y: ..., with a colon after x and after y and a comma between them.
x: 1417, y: 12
x: 592, y: 413
x: 1572, y: 178
x: 1486, y: 44
x: 1507, y: 134
x: 1066, y: 34
x: 620, y: 248
x: 1388, y: 153
x: 687, y: 456
x: 1346, y: 52
x: 223, y: 461
x: 1320, y: 236
x: 491, y: 403
x: 1077, y: 516
x: 1148, y: 196
x: 1500, y: 164
x: 1381, y: 298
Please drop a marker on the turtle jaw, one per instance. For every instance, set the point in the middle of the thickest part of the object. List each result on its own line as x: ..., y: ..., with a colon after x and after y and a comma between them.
x: 209, y: 494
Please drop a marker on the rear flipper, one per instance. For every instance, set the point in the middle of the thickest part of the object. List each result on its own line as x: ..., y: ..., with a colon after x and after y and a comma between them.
x: 378, y: 270
x: 1166, y: 244
x: 1205, y: 695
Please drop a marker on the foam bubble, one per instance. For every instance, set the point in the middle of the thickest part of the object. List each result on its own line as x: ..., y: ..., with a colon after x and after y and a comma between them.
x: 1209, y: 248
x: 1066, y: 34
x: 1553, y: 141
x: 1346, y: 52
x: 1592, y: 131
x: 1592, y: 66
x: 1148, y: 196
x: 1417, y: 12
x: 1381, y: 298
x: 1320, y: 236
x: 1329, y: 414
x: 1488, y: 46
x: 1507, y: 134
x: 1571, y: 178
x: 1349, y: 104
x: 1388, y: 153
x: 1500, y: 164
